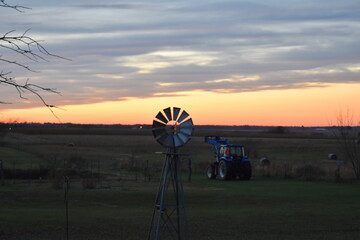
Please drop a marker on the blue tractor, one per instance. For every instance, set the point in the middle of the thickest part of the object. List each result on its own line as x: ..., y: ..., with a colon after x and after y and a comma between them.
x: 230, y: 160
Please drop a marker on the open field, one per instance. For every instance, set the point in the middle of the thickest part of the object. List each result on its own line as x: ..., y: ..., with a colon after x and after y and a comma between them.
x: 113, y: 181
x: 120, y: 151
x: 257, y: 209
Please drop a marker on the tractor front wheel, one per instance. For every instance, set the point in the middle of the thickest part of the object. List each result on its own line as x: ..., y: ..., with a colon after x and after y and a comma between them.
x: 224, y: 170
x: 210, y: 171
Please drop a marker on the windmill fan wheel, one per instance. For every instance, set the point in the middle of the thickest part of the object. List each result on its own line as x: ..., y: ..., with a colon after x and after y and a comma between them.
x: 172, y: 127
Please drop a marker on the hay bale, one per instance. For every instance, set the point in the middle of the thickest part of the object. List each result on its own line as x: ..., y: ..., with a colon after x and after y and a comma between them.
x: 264, y: 161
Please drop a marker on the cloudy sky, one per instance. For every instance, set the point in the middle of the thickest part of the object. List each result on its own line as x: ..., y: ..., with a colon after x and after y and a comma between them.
x: 126, y: 50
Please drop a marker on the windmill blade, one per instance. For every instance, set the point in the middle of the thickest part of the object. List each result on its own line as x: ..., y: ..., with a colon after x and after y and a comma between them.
x: 161, y: 139
x: 157, y: 131
x: 176, y: 113
x: 161, y: 117
x: 159, y: 134
x: 187, y: 127
x: 183, y: 116
x: 183, y: 137
x: 187, y: 123
x: 167, y: 111
x: 177, y: 141
x: 158, y: 128
x: 158, y: 125
x: 166, y: 140
x: 187, y: 131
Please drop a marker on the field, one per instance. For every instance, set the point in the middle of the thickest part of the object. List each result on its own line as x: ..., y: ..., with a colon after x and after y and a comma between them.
x: 114, y: 177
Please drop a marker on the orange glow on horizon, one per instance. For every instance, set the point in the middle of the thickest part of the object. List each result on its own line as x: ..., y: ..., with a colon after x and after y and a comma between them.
x: 297, y: 107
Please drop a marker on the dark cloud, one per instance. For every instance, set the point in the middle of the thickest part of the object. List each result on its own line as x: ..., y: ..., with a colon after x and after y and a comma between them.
x: 143, y: 48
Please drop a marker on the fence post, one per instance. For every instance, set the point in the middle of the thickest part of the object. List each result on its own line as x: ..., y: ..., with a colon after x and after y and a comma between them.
x: 190, y: 170
x: 2, y: 173
x: 66, y: 199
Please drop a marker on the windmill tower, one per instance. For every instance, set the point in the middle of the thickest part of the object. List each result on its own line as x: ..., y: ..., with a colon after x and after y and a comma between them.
x: 172, y: 128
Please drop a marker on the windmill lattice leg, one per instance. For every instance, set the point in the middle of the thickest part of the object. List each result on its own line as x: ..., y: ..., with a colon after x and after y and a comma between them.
x: 169, y: 219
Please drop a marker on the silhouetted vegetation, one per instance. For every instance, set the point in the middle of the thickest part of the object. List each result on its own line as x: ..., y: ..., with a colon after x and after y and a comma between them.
x: 348, y: 138
x: 279, y: 130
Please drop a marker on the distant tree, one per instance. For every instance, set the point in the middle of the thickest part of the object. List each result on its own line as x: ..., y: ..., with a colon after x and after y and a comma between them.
x: 278, y: 130
x: 24, y: 46
x: 2, y: 131
x: 348, y: 137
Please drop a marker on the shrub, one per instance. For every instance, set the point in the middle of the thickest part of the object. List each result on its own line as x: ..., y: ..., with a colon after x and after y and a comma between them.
x: 41, y: 173
x: 309, y: 172
x: 278, y: 130
x: 88, y: 183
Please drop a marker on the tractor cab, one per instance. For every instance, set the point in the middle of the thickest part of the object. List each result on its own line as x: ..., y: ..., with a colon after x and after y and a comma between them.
x: 231, y: 151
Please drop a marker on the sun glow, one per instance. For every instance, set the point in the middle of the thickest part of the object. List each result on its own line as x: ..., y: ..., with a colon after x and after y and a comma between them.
x: 308, y: 107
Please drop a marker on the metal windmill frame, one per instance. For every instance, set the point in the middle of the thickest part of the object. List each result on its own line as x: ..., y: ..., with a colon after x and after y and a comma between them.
x: 169, y: 219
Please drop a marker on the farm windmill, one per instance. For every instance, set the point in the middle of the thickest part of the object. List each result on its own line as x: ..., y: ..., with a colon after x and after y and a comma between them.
x: 172, y: 128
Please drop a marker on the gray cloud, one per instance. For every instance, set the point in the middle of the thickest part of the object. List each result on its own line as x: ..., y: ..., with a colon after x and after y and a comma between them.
x: 108, y: 6
x: 146, y: 48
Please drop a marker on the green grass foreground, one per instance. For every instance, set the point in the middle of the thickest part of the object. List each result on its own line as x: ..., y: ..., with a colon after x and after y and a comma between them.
x: 263, y: 208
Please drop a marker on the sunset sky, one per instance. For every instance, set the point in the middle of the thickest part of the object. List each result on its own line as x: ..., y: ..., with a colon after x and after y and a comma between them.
x: 237, y: 62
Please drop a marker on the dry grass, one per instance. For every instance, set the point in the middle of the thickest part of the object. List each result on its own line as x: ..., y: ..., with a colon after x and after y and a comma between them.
x: 131, y: 151
x: 118, y: 196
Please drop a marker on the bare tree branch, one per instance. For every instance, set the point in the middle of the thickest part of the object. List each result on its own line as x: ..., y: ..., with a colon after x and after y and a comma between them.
x: 27, y: 47
x: 18, y: 8
x: 28, y: 87
x: 348, y: 137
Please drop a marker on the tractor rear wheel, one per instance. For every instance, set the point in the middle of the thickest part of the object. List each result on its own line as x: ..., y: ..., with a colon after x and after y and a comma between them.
x: 224, y: 170
x: 210, y: 171
x: 245, y: 171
